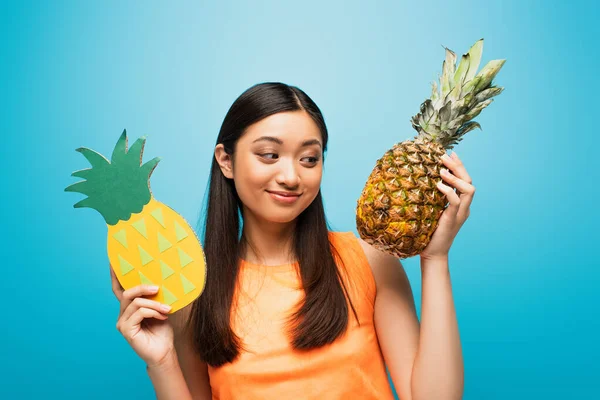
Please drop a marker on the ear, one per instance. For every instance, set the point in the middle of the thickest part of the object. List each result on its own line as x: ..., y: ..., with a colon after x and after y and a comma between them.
x: 224, y: 160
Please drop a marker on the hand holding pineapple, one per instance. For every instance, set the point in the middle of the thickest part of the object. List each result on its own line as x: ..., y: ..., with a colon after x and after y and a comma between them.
x: 401, y: 204
x: 455, y: 215
x: 142, y: 322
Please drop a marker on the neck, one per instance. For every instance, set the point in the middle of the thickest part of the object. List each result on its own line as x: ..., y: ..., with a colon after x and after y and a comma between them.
x: 267, y: 243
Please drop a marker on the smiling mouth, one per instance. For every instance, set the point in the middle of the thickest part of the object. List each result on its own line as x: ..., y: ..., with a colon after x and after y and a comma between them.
x: 284, y: 194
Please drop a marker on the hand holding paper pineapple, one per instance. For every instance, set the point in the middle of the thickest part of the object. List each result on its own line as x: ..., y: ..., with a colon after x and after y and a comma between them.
x: 148, y: 242
x: 143, y: 322
x: 400, y: 206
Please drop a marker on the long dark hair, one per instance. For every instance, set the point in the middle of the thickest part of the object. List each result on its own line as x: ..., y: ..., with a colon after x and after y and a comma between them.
x: 323, y: 315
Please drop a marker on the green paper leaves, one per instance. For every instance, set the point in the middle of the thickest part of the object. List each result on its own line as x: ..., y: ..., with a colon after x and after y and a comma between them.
x: 116, y: 188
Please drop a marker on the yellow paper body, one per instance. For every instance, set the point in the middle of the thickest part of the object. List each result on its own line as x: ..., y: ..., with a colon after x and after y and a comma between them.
x: 125, y: 254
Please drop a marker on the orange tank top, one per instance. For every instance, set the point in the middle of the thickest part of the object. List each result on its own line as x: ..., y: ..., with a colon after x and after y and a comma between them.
x: 352, y: 367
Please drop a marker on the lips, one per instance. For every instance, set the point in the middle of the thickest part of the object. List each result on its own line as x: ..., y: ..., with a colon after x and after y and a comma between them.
x: 284, y: 194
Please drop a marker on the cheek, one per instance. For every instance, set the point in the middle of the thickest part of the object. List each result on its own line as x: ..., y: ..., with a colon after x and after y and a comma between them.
x: 312, y: 178
x: 250, y: 180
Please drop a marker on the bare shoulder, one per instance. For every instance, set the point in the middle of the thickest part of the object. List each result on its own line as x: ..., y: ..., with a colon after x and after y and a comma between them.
x: 386, y: 268
x: 395, y: 317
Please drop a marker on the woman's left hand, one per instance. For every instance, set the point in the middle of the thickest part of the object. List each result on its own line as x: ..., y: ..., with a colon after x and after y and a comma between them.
x: 457, y: 212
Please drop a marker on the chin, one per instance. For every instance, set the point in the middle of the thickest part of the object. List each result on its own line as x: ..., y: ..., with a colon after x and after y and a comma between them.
x: 281, y: 218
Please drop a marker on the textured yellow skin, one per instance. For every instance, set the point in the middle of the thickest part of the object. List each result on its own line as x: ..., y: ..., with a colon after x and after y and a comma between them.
x: 195, y: 271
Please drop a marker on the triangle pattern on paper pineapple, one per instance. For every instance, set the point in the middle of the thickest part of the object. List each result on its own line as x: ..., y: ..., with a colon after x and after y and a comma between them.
x: 187, y: 285
x: 184, y: 259
x: 158, y: 215
x: 140, y: 226
x: 168, y: 297
x: 163, y: 243
x: 145, y: 279
x: 180, y: 232
x: 144, y: 256
x: 165, y: 270
x: 121, y: 237
x: 125, y: 266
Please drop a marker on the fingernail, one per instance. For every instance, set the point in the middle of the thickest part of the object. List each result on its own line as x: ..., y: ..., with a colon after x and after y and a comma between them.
x: 166, y: 307
x: 453, y: 155
x: 445, y: 156
x: 153, y: 288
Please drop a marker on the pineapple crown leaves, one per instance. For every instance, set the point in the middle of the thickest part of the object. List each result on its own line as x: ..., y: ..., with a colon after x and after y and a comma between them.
x: 119, y: 187
x: 462, y: 94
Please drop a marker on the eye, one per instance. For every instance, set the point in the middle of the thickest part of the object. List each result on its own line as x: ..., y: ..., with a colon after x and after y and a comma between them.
x: 269, y: 156
x: 311, y: 160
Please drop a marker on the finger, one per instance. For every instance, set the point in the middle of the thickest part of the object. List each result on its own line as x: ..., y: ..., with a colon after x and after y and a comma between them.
x: 140, y: 302
x: 138, y: 316
x: 116, y: 286
x: 452, y: 197
x: 455, y: 165
x: 465, y: 189
x: 465, y: 192
x: 134, y: 292
x: 140, y: 290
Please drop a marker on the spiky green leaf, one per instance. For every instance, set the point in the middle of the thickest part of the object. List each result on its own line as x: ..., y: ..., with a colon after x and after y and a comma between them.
x: 96, y: 159
x: 82, y: 173
x: 477, y: 109
x: 120, y: 151
x: 448, y: 70
x: 461, y: 71
x: 488, y: 73
x: 488, y: 94
x: 434, y: 91
x: 475, y: 53
x: 118, y: 188
x: 467, y: 127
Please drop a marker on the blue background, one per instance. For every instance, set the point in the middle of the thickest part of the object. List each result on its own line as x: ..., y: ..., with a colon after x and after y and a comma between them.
x: 524, y: 268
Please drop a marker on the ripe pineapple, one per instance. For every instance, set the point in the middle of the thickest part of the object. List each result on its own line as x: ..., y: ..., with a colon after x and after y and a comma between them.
x: 148, y: 242
x: 400, y: 205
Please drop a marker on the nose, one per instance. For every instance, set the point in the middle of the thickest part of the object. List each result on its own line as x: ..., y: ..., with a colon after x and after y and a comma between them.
x: 287, y: 174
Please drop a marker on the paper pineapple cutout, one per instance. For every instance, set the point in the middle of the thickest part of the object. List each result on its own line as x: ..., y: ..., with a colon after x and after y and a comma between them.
x: 148, y: 242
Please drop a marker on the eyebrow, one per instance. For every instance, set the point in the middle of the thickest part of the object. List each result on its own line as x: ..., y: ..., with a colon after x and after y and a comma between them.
x: 309, y: 142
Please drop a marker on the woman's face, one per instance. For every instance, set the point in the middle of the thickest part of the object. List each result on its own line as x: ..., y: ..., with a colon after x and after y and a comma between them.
x: 277, y: 166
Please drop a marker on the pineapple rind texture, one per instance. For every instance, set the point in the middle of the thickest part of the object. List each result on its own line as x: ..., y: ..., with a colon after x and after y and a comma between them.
x: 165, y: 253
x: 400, y: 205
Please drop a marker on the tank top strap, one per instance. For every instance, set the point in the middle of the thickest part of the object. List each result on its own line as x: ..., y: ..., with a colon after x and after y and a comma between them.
x: 359, y: 276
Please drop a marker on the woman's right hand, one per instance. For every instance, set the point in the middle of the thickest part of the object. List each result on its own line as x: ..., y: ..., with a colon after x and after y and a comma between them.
x: 143, y: 322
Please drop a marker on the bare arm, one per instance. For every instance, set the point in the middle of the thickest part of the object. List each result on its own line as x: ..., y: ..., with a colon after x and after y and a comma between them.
x: 168, y: 381
x: 438, y: 372
x: 193, y: 369
x: 424, y: 359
